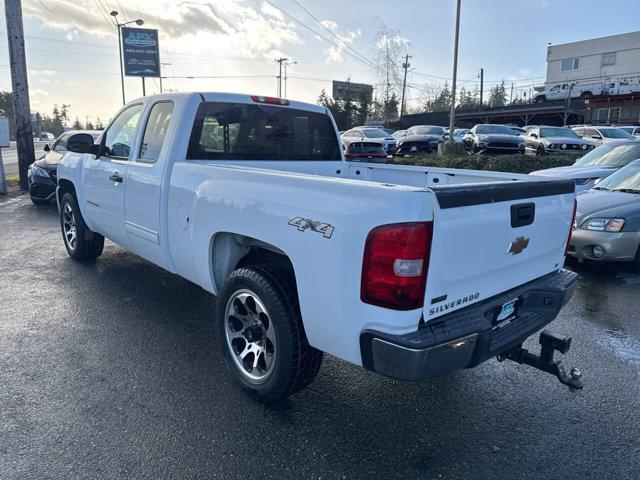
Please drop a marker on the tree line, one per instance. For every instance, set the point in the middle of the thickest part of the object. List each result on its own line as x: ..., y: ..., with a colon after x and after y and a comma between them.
x: 54, y: 123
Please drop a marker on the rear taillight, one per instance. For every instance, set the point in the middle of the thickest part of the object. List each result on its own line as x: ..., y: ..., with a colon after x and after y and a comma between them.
x: 571, y: 227
x: 351, y: 155
x: 269, y: 100
x: 395, y: 265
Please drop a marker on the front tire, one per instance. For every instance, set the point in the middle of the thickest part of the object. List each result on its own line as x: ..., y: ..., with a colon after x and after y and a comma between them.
x: 540, y: 151
x: 260, y: 333
x: 81, y: 243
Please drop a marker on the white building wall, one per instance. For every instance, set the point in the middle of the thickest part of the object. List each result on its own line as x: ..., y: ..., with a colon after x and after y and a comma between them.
x: 627, y: 62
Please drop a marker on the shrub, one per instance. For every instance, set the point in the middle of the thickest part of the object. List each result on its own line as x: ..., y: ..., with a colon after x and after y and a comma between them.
x: 497, y: 163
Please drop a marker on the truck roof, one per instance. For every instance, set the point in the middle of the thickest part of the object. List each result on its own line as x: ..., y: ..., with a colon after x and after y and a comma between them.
x: 232, y: 98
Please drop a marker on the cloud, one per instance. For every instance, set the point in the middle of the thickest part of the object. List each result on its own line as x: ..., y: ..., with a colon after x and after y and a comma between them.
x: 247, y: 28
x: 334, y: 54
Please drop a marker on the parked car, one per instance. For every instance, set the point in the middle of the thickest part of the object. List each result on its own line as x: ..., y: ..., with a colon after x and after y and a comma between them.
x: 561, y: 91
x: 42, y: 174
x: 420, y: 139
x: 459, y: 134
x: 543, y: 140
x: 365, y: 152
x: 596, y: 165
x: 46, y: 137
x: 485, y: 138
x: 632, y: 130
x: 608, y: 219
x: 398, y: 133
x: 369, y: 134
x: 308, y: 253
x: 517, y: 130
x: 600, y: 135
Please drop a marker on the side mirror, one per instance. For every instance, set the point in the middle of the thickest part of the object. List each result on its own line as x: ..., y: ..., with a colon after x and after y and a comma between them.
x: 80, y: 143
x: 534, y: 135
x: 47, y: 148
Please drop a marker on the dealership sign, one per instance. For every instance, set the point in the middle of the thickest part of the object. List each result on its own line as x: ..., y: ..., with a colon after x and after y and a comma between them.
x: 140, y: 52
x: 352, y: 91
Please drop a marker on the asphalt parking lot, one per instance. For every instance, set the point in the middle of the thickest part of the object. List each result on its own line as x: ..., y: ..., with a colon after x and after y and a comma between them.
x: 111, y: 370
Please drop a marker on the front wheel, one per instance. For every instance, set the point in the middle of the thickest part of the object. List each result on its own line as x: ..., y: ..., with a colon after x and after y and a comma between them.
x: 540, y: 150
x: 261, y: 335
x: 81, y: 243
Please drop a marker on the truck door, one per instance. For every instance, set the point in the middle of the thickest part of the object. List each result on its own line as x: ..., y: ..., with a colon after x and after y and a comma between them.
x: 144, y: 182
x: 104, y: 177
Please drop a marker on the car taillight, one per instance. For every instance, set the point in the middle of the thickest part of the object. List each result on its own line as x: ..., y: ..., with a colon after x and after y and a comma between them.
x: 573, y: 222
x: 351, y: 155
x: 269, y: 100
x: 395, y: 265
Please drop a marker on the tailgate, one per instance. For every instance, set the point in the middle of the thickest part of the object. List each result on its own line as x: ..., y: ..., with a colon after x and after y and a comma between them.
x: 489, y: 238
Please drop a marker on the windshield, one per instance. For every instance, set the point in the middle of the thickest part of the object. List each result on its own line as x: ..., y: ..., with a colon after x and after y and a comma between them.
x: 625, y: 178
x: 427, y: 131
x: 374, y: 133
x: 615, y: 133
x: 58, y: 145
x: 489, y: 129
x: 557, y: 132
x: 611, y: 155
x: 629, y: 130
x: 398, y: 133
x: 460, y: 132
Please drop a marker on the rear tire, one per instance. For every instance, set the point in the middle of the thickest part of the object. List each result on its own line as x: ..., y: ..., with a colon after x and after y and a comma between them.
x: 540, y: 150
x: 81, y: 243
x: 260, y: 333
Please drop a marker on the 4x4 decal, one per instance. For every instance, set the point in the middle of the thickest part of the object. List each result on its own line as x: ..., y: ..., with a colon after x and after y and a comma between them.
x: 303, y: 224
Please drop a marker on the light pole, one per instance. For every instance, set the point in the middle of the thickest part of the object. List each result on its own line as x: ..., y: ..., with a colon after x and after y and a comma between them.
x: 119, y: 25
x: 452, y: 113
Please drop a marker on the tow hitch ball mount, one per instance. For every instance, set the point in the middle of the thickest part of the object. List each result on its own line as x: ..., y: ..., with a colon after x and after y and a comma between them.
x: 545, y: 362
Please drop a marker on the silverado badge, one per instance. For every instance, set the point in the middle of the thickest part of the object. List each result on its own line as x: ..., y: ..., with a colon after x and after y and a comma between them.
x: 518, y: 245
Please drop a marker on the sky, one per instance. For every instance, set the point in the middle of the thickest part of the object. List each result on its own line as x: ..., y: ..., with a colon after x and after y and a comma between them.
x: 231, y: 45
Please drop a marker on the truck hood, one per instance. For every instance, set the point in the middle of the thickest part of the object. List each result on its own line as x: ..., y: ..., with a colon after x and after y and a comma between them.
x: 574, y: 173
x: 602, y: 203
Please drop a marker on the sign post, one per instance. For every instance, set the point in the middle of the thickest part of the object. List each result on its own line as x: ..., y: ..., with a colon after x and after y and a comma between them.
x: 141, y: 53
x: 4, y: 142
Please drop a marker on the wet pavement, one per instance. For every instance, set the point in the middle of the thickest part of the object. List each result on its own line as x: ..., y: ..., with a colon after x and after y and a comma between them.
x: 111, y: 370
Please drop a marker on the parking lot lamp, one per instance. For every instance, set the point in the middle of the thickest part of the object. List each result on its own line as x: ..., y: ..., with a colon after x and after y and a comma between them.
x: 119, y: 25
x: 452, y: 113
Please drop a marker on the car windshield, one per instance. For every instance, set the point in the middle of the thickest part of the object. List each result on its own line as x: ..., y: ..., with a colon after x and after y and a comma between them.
x: 427, y: 131
x: 611, y: 155
x: 398, y: 133
x: 615, y: 133
x: 460, y: 132
x: 629, y: 130
x: 627, y: 178
x: 489, y: 129
x: 58, y: 145
x: 557, y: 132
x: 374, y: 133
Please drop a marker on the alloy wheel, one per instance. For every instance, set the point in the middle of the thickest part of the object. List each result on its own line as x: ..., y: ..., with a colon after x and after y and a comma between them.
x: 69, y: 226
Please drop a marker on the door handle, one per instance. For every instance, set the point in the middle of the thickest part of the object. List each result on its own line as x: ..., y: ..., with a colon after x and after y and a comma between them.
x: 116, y: 177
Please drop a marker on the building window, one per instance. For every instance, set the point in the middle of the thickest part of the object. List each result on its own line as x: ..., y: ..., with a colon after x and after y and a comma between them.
x: 572, y: 63
x: 608, y: 59
x: 614, y: 115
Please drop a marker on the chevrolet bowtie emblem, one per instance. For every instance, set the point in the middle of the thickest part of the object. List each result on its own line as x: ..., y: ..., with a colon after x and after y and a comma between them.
x: 518, y: 245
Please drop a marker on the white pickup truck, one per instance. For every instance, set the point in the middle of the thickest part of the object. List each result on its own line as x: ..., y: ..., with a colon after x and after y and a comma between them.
x: 408, y: 271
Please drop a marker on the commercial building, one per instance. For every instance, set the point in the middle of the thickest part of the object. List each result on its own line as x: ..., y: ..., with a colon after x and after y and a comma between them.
x: 605, y: 59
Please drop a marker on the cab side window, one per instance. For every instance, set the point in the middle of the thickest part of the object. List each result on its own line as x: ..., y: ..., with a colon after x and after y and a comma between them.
x: 155, y: 131
x: 122, y: 132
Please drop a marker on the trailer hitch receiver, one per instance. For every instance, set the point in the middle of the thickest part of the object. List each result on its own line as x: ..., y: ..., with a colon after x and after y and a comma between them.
x: 550, y: 343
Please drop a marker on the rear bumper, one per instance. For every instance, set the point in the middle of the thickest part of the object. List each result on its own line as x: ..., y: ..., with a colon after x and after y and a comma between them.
x: 467, y: 337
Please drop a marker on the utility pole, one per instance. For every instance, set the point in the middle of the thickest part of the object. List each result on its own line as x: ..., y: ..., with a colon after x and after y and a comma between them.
x: 406, y: 66
x: 567, y: 105
x: 511, y: 94
x: 280, y: 61
x: 481, y: 85
x: 162, y: 65
x: 286, y: 64
x: 20, y: 88
x: 452, y: 113
x: 144, y: 88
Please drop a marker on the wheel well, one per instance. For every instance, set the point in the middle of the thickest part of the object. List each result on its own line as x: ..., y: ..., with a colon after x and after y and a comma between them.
x: 65, y: 186
x: 230, y: 251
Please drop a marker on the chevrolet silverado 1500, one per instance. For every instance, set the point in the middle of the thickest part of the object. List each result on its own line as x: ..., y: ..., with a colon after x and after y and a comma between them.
x: 408, y: 271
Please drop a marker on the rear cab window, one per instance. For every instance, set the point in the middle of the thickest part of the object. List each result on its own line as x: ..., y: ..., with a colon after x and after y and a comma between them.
x: 238, y: 131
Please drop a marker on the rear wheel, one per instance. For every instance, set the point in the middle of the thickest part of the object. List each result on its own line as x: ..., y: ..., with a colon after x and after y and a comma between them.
x: 261, y: 335
x: 584, y: 95
x: 81, y: 243
x: 540, y: 150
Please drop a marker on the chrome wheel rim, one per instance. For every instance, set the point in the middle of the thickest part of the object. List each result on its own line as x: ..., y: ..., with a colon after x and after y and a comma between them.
x: 250, y: 335
x: 69, y: 226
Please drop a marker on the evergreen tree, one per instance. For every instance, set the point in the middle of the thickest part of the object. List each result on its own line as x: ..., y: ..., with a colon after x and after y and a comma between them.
x: 498, y: 95
x: 77, y: 125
